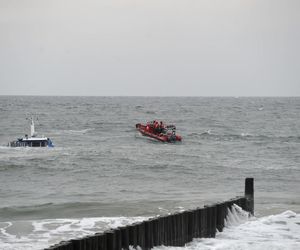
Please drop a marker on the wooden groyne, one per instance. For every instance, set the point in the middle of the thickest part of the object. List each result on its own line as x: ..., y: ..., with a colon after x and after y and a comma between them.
x: 170, y: 230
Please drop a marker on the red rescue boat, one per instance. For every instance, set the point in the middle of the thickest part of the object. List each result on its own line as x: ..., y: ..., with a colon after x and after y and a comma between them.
x: 159, y: 131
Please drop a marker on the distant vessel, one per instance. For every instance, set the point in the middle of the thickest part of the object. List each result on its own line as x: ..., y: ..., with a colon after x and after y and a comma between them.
x: 32, y: 141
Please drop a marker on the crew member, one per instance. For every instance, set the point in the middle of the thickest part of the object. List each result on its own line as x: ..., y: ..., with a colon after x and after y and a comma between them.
x: 156, y: 127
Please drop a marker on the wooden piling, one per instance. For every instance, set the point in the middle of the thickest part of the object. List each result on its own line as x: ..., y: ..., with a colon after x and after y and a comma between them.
x: 190, y: 225
x: 132, y: 235
x: 160, y: 231
x: 220, y: 217
x: 149, y: 234
x: 196, y: 224
x: 124, y: 237
x: 75, y: 244
x: 156, y: 232
x: 209, y: 222
x: 118, y: 239
x: 110, y: 240
x: 202, y: 217
x: 101, y: 239
x: 141, y: 235
x: 213, y: 221
x: 249, y: 194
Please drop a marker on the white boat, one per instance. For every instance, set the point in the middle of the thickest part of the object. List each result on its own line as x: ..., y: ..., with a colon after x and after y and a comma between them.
x: 32, y: 141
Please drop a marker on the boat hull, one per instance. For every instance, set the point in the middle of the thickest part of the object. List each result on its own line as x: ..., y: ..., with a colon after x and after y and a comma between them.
x: 31, y: 142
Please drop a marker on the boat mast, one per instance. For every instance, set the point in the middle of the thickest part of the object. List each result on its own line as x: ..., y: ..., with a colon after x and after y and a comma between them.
x: 32, y: 132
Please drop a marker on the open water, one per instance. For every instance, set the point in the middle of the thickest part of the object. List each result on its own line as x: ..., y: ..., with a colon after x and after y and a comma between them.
x: 102, y: 173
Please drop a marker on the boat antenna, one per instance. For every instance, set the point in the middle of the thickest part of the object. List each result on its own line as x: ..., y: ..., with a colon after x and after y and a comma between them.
x: 32, y: 129
x: 32, y: 132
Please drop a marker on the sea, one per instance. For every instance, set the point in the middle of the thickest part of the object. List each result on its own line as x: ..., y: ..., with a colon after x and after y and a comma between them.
x: 103, y: 174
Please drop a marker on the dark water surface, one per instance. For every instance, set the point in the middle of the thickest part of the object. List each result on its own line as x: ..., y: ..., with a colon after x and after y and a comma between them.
x: 101, y: 167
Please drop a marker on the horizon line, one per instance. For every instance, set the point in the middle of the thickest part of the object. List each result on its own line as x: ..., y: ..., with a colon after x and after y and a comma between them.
x: 230, y: 96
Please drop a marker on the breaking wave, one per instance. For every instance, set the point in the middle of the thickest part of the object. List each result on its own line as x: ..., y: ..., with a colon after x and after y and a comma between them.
x: 281, y: 231
x: 39, y: 234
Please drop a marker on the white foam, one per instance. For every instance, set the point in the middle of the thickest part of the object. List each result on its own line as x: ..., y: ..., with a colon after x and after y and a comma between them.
x: 276, y: 232
x: 245, y: 134
x: 82, y: 131
x: 44, y: 233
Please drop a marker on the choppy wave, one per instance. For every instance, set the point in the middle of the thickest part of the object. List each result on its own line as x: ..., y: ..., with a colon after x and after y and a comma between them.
x: 11, y: 157
x: 243, y: 136
x: 47, y: 209
x: 71, y: 131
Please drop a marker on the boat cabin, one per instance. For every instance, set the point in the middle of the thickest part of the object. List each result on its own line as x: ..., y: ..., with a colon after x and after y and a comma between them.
x: 31, y: 142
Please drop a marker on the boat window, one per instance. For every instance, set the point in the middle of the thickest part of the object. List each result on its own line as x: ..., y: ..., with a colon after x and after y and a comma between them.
x: 36, y: 144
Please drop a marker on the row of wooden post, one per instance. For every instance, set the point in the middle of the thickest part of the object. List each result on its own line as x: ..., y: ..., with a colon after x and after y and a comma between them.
x: 171, y: 230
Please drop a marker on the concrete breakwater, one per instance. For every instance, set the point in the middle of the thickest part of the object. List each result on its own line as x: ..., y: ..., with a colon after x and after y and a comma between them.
x: 170, y: 230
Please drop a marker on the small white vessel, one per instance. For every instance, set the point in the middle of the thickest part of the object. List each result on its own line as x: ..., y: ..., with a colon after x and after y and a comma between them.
x: 32, y: 141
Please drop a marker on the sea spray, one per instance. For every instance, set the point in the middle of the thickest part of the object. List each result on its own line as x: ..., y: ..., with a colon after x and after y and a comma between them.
x: 276, y: 232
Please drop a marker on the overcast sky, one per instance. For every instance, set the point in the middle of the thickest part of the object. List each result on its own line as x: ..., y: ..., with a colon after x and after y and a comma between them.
x: 150, y: 47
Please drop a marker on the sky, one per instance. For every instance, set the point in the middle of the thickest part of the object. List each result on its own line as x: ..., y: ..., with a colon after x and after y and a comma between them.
x: 150, y: 47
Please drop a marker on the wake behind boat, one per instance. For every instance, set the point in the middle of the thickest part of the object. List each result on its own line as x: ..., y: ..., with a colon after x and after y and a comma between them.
x: 32, y: 141
x: 159, y: 131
